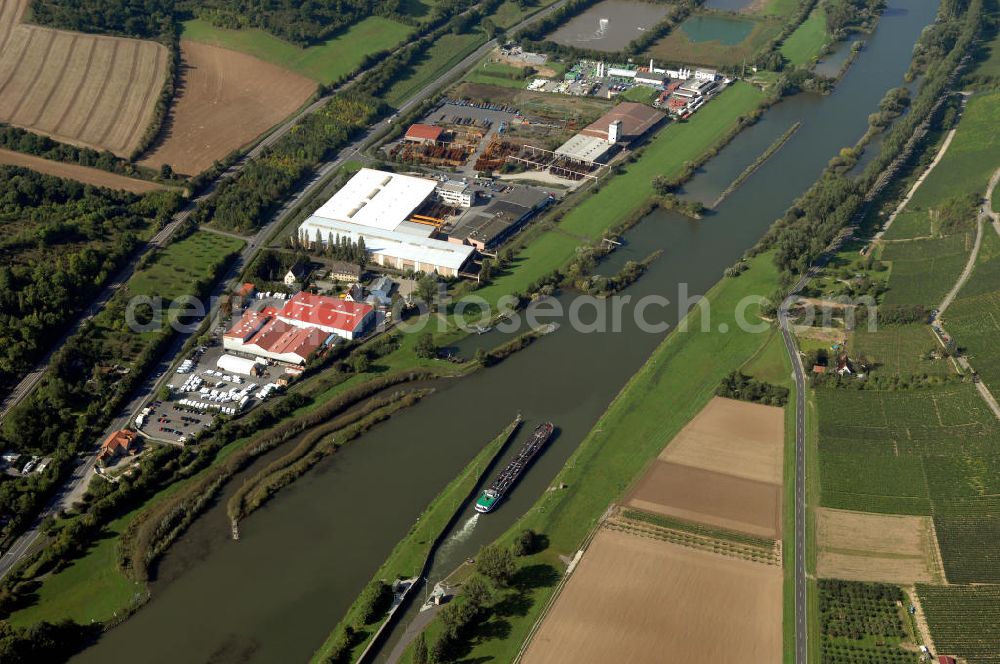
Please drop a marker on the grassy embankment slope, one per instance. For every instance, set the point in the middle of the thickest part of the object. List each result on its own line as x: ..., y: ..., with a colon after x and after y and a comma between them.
x: 410, y: 555
x: 808, y: 40
x: 683, y: 372
x: 325, y: 63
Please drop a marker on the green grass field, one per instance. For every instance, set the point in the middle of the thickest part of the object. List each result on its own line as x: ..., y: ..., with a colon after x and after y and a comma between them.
x: 781, y: 8
x: 442, y: 56
x: 182, y: 263
x: 500, y: 75
x: 683, y: 372
x: 324, y: 63
x: 923, y: 271
x: 964, y: 620
x: 641, y: 94
x: 807, y: 41
x: 88, y: 589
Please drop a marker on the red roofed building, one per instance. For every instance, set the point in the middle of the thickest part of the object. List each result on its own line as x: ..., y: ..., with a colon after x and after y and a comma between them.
x: 245, y: 327
x: 117, y: 444
x: 423, y: 133
x: 345, y: 319
x: 945, y: 659
x: 286, y: 343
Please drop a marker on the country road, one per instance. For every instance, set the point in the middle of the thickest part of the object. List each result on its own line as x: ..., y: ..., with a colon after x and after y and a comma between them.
x: 801, y: 613
x: 77, y: 483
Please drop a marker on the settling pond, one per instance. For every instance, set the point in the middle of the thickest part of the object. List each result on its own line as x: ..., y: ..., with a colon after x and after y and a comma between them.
x: 274, y: 595
x: 610, y: 25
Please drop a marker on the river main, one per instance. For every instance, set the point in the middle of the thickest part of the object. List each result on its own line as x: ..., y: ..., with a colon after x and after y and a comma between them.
x: 274, y: 595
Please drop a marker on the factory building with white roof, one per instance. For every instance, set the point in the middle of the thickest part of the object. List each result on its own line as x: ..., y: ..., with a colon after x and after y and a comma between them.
x: 378, y: 206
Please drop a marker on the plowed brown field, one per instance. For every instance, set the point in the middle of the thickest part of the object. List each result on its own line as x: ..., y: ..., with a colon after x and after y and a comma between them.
x: 723, y: 469
x: 88, y: 90
x: 638, y: 600
x: 225, y: 99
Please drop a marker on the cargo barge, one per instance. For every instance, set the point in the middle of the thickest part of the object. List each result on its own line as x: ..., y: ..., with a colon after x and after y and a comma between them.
x: 506, y: 479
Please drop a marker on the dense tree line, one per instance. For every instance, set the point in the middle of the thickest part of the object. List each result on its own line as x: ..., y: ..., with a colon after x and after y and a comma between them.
x: 20, y: 140
x: 146, y: 19
x: 61, y: 241
x: 738, y: 385
x: 299, y: 21
x: 843, y: 16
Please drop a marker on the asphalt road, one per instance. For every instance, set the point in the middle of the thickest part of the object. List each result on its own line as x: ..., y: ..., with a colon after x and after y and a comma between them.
x: 76, y: 484
x: 801, y: 615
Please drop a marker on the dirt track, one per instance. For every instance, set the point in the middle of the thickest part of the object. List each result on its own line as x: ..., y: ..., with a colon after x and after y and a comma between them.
x: 638, y: 600
x: 89, y: 90
x: 83, y: 174
x: 225, y: 99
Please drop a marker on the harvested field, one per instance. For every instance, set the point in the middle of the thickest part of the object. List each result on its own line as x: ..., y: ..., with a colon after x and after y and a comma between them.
x: 858, y: 546
x: 84, y: 174
x: 225, y: 99
x: 88, y: 90
x: 717, y: 499
x: 723, y: 469
x: 734, y: 437
x: 633, y: 599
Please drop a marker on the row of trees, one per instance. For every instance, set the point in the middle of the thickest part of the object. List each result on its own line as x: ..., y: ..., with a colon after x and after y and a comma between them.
x: 297, y: 21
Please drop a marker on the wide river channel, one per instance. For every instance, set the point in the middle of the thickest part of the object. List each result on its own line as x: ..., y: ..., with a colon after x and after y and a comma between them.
x: 274, y: 595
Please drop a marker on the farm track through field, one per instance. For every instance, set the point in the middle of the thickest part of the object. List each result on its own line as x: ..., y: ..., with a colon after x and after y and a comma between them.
x: 55, y: 82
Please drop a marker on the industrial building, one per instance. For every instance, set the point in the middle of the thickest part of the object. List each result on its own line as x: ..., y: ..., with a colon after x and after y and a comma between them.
x: 456, y: 193
x: 588, y: 149
x: 489, y: 226
x: 423, y: 134
x: 597, y: 143
x: 382, y: 208
x: 301, y: 327
x: 625, y: 123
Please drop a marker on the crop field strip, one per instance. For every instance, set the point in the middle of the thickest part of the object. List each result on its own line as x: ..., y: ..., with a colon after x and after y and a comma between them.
x: 84, y: 89
x: 910, y: 451
x: 923, y: 271
x: 964, y: 620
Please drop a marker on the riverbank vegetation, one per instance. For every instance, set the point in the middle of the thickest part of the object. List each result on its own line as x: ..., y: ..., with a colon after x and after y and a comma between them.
x: 409, y: 557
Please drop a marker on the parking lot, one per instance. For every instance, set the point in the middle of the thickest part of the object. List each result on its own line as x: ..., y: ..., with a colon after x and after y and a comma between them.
x: 199, y: 391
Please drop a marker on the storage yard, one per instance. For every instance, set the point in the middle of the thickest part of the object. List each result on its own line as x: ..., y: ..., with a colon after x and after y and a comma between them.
x: 224, y: 100
x: 88, y: 90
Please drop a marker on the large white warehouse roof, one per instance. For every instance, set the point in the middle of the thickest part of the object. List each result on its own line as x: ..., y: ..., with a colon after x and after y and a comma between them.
x: 377, y: 199
x: 428, y: 252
